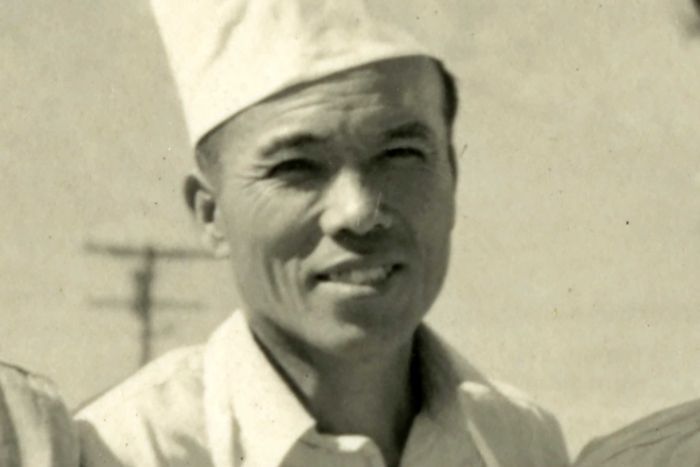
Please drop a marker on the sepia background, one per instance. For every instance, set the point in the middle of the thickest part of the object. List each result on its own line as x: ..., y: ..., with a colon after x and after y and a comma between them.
x: 576, y: 259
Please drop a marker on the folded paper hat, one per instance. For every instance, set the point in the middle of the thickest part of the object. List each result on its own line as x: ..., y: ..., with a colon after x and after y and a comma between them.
x: 228, y: 55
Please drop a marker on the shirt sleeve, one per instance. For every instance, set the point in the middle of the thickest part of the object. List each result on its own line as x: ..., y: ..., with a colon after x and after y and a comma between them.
x: 675, y: 451
x: 669, y: 438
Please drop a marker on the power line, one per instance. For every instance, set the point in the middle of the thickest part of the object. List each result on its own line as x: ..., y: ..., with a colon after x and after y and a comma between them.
x: 142, y: 303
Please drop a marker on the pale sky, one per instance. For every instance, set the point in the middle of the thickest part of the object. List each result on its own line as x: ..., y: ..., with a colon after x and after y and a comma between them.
x: 577, y: 255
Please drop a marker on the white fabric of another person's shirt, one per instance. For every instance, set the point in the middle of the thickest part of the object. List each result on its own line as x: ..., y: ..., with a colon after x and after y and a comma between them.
x: 669, y: 438
x: 225, y: 405
x: 35, y: 427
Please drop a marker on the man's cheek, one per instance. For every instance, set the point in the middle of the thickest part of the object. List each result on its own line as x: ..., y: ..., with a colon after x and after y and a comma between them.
x: 428, y: 212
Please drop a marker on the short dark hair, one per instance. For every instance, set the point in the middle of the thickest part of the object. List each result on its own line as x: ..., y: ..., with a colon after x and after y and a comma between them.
x: 207, y: 156
x: 451, y: 103
x: 451, y: 106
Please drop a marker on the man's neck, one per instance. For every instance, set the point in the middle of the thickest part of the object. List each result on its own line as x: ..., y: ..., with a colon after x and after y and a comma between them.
x: 371, y: 396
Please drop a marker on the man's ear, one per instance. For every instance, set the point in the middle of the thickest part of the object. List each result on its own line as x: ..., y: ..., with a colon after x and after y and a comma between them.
x: 205, y: 210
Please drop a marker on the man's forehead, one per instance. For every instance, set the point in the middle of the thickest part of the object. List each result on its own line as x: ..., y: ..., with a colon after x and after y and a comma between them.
x: 279, y: 139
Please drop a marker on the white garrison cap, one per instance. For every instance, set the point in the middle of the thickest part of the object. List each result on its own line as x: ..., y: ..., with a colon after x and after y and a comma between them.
x: 228, y: 55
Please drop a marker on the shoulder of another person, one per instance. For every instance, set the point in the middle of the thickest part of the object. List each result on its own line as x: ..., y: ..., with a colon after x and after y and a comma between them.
x: 663, y: 438
x: 12, y: 376
x: 142, y: 417
x: 30, y: 394
x: 35, y: 427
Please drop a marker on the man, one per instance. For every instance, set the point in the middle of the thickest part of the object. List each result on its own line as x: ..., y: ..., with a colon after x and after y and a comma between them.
x: 35, y: 428
x: 327, y: 176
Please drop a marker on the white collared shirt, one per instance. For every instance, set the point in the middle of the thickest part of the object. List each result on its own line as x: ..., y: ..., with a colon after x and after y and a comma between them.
x: 35, y: 427
x: 669, y: 438
x: 224, y: 405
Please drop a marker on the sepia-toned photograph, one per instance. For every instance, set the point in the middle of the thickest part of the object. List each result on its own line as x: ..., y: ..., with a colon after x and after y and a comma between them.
x: 386, y: 233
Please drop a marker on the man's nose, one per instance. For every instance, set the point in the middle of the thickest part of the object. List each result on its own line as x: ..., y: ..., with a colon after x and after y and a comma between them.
x: 353, y: 205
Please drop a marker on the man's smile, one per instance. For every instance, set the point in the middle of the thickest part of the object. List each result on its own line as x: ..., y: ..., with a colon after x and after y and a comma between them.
x: 359, y: 276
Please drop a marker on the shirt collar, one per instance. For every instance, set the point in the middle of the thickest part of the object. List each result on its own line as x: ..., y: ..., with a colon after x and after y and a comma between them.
x: 443, y: 375
x: 270, y: 419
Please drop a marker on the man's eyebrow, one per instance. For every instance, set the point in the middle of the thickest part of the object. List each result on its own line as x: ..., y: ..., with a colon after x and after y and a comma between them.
x: 413, y: 129
x: 291, y: 141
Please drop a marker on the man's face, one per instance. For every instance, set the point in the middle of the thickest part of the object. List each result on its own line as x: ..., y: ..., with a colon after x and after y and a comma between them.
x: 336, y: 200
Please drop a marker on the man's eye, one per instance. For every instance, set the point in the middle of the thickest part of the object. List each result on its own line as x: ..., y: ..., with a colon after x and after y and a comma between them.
x: 293, y: 167
x: 404, y: 153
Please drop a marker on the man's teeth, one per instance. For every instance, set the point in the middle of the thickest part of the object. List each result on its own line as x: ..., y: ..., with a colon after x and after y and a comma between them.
x: 361, y: 276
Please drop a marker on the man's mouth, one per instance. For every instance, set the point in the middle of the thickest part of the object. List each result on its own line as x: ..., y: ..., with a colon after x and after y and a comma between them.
x: 360, y: 275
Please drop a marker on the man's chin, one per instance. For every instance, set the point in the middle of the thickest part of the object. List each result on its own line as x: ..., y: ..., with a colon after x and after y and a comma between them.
x: 364, y: 325
x: 360, y: 343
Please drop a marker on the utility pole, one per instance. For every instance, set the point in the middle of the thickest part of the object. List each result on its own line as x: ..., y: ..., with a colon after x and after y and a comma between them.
x: 142, y: 303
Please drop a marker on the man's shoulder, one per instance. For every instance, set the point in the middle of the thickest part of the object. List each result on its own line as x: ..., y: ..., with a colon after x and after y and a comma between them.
x: 174, y: 374
x: 669, y: 437
x: 503, y: 415
x: 514, y: 408
x: 141, y: 418
x: 489, y: 394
